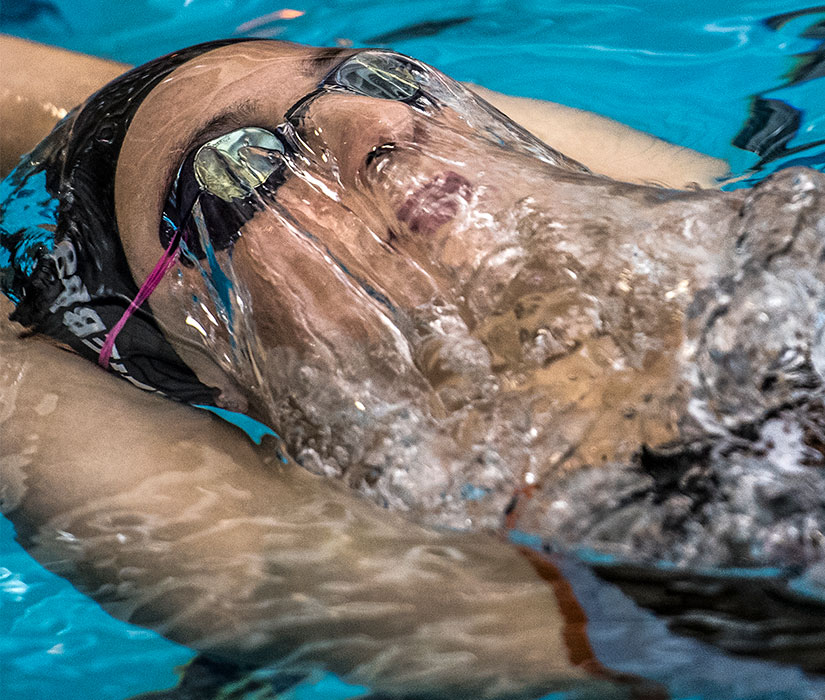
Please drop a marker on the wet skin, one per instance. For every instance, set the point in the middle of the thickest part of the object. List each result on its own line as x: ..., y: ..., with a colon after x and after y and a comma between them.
x: 440, y: 303
x: 181, y: 535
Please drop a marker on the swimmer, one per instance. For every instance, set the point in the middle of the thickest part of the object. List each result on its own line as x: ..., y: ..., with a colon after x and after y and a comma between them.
x: 435, y: 307
x: 407, y: 286
x: 429, y: 303
x: 137, y: 529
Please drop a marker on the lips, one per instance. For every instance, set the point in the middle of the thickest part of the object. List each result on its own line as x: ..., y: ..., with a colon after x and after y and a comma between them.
x: 435, y: 203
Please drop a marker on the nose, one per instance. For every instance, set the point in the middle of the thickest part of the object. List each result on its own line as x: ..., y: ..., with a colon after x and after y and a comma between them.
x: 351, y: 127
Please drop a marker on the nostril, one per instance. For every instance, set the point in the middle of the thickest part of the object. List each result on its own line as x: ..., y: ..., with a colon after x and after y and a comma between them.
x: 379, y: 151
x: 289, y: 135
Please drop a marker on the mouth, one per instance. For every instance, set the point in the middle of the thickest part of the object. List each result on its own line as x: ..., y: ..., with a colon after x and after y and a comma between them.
x: 434, y: 203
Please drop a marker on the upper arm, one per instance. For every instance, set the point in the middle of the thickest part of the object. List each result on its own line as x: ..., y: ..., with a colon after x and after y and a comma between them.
x: 607, y: 146
x: 38, y: 85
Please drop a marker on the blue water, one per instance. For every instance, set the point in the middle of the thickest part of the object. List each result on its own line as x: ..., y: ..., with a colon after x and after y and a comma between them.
x: 687, y: 72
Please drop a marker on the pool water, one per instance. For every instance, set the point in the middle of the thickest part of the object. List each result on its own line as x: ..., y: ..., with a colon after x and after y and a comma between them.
x: 739, y: 81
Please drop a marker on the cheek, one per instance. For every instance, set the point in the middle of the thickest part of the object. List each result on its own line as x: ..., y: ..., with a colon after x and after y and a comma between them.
x: 300, y: 296
x: 348, y: 235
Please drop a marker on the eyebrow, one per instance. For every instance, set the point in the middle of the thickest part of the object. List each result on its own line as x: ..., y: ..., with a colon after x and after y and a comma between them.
x: 237, y: 115
x: 234, y: 116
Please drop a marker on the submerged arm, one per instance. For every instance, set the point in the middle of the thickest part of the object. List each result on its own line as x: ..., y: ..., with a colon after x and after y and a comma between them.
x: 171, y: 520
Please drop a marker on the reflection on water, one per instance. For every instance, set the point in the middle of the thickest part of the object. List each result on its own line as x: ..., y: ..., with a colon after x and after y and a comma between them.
x: 784, y: 127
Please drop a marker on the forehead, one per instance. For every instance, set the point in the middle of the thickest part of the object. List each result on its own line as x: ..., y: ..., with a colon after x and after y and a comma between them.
x: 260, y: 65
x: 259, y: 79
x: 245, y: 84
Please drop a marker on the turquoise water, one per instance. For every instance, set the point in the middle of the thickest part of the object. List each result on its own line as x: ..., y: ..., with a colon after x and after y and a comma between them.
x: 687, y: 72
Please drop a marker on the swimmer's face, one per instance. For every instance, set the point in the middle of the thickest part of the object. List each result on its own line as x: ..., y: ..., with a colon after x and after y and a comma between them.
x: 367, y: 187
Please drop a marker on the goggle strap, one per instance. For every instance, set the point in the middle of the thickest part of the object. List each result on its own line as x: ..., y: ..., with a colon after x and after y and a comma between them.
x: 167, y: 260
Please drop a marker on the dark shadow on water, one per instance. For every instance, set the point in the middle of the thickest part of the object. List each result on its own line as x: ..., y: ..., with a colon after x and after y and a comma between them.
x: 416, y: 31
x: 773, y: 123
x: 204, y: 678
x: 27, y: 11
x: 760, y: 617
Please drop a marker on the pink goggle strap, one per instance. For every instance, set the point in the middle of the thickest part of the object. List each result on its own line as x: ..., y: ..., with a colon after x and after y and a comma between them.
x: 152, y: 281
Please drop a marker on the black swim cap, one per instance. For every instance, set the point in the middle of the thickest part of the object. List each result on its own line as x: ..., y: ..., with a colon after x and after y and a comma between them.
x: 61, y: 258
